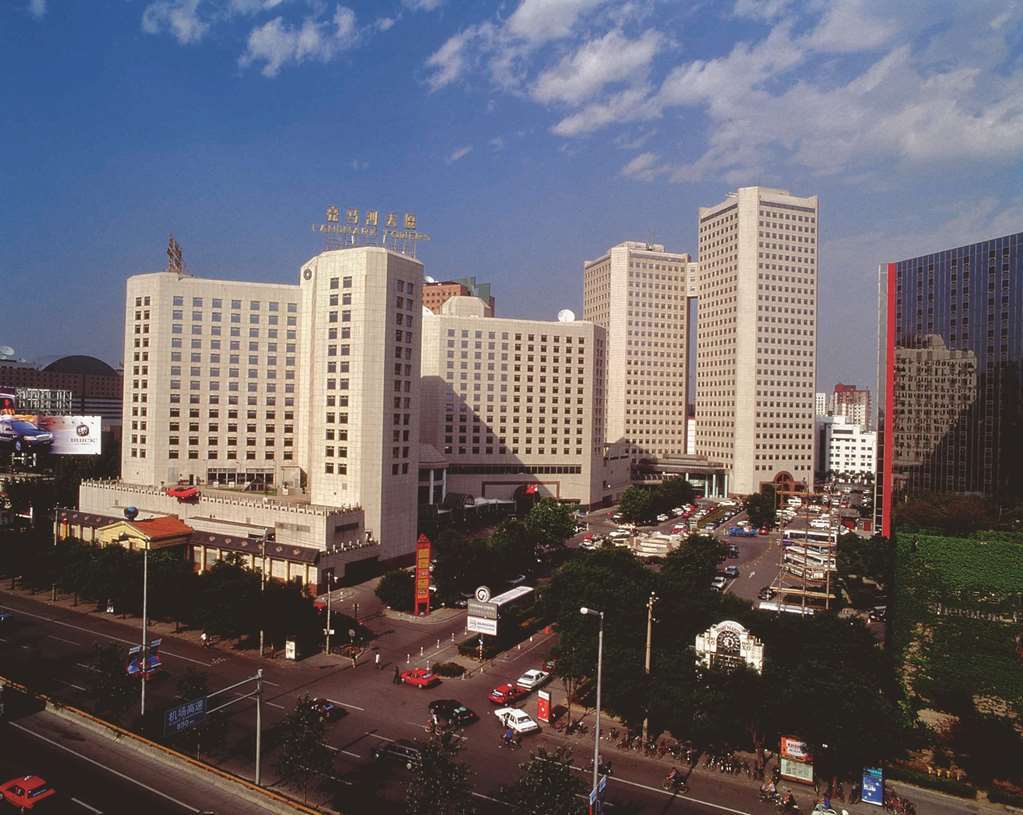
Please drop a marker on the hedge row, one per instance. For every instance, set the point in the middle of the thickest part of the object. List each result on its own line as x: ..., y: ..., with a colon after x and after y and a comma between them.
x: 949, y: 785
x: 997, y: 796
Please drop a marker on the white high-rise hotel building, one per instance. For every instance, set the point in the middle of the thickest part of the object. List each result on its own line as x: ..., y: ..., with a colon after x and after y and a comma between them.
x: 756, y: 336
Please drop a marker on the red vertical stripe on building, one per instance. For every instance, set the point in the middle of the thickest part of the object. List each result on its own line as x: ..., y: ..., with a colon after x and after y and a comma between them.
x: 889, y: 406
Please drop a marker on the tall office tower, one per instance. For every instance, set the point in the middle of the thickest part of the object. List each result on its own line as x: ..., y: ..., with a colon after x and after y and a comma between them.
x: 360, y: 347
x: 210, y: 380
x: 756, y: 337
x: 853, y: 403
x: 950, y: 374
x: 514, y: 403
x: 639, y: 293
x: 821, y: 403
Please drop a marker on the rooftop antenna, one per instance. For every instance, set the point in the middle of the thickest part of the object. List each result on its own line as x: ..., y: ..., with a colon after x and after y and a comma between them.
x: 175, y: 263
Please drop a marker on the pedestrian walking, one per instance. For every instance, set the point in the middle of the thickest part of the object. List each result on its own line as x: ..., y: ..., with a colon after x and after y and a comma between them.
x: 397, y: 676
x: 376, y: 660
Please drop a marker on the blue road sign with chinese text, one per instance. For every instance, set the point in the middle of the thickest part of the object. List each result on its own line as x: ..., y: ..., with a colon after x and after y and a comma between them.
x: 184, y: 717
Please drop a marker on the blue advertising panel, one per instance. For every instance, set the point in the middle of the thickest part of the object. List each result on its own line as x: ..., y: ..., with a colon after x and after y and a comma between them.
x: 153, y: 661
x: 873, y: 786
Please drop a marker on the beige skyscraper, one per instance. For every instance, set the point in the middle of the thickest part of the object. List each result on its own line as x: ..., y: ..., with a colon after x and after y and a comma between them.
x: 756, y: 336
x: 638, y: 293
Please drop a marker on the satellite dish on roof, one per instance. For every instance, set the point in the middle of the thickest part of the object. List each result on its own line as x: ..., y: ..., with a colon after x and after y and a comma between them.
x: 429, y: 279
x: 6, y: 352
x: 566, y: 315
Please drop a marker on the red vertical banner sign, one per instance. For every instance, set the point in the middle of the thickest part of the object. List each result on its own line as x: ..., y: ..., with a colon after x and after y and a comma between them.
x: 889, y: 403
x: 421, y: 596
x: 543, y: 706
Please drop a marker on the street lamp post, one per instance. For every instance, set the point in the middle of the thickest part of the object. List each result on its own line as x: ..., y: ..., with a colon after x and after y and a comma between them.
x: 592, y: 612
x: 262, y: 586
x: 145, y: 625
x: 649, y: 642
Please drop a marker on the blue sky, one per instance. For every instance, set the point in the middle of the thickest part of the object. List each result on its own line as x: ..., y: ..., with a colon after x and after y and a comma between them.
x: 528, y: 135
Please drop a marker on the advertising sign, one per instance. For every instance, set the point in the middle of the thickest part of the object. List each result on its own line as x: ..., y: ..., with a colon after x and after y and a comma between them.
x: 153, y: 661
x: 873, y: 786
x: 421, y: 591
x: 481, y: 625
x: 184, y: 717
x: 488, y: 611
x: 795, y: 760
x: 73, y: 435
x: 543, y: 706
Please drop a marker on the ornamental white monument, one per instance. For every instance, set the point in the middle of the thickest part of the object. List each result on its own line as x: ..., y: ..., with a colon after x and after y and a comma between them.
x: 728, y: 644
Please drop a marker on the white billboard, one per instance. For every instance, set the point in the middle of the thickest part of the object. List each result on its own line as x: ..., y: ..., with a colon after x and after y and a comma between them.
x: 481, y: 625
x: 73, y: 435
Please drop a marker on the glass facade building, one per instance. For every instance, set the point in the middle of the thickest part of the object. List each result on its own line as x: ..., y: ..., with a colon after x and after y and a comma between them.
x: 950, y: 374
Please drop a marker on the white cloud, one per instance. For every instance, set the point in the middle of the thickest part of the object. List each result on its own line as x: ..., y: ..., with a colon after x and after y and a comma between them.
x: 248, y: 7
x: 644, y: 167
x: 358, y: 165
x: 848, y: 27
x: 385, y: 23
x: 179, y: 17
x: 761, y: 9
x: 460, y: 153
x: 37, y: 8
x: 451, y: 61
x: 276, y: 43
x: 540, y: 21
x: 613, y: 58
x: 496, y: 144
x: 633, y: 104
x: 422, y: 5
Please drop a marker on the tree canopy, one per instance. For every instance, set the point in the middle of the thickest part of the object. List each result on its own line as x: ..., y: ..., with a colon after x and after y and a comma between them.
x: 550, y: 523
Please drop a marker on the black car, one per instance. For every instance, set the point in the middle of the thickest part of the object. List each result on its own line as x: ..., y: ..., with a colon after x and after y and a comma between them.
x: 733, y: 551
x: 328, y: 710
x: 404, y: 751
x: 451, y: 712
x: 766, y: 593
x: 878, y: 614
x: 21, y: 436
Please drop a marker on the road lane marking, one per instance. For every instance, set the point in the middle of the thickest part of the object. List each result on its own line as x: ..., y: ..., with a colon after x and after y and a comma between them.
x: 345, y: 704
x: 274, y: 704
x: 100, y: 634
x: 72, y: 685
x: 87, y: 806
x: 377, y: 736
x: 61, y: 639
x: 87, y: 667
x: 93, y: 761
x: 350, y: 753
x: 268, y: 682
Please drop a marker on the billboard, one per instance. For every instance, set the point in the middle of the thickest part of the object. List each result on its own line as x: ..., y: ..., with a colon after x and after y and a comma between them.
x: 25, y: 431
x: 795, y: 760
x: 873, y: 786
x: 421, y: 595
x: 73, y: 435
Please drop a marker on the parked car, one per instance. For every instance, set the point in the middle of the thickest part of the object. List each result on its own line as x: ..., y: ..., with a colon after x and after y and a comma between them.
x: 22, y: 436
x: 419, y: 677
x: 328, y: 710
x: 719, y: 583
x: 731, y: 571
x: 27, y: 792
x: 589, y: 544
x: 404, y: 751
x: 878, y: 614
x: 183, y: 492
x: 532, y: 679
x: 662, y: 518
x: 616, y: 517
x: 733, y: 551
x: 676, y: 511
x: 517, y: 720
x: 451, y: 712
x: 766, y: 593
x: 506, y: 694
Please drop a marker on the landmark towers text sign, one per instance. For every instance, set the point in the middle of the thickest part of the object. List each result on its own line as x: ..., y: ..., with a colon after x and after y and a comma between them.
x: 371, y: 227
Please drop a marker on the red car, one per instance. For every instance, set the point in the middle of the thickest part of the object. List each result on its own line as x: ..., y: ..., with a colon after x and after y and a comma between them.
x: 26, y: 792
x: 419, y: 677
x: 507, y: 694
x: 764, y: 530
x: 183, y: 493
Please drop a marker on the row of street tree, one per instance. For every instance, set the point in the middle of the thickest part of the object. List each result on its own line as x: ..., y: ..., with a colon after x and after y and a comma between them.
x: 643, y: 504
x: 227, y: 600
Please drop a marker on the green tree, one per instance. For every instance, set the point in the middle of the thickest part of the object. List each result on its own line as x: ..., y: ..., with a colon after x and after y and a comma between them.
x: 441, y: 784
x: 637, y: 505
x: 761, y: 508
x: 673, y: 492
x: 550, y: 523
x: 548, y: 785
x: 462, y: 564
x: 227, y: 602
x: 512, y: 550
x: 302, y: 755
x: 172, y: 584
x: 112, y: 689
x: 988, y: 747
x: 395, y: 589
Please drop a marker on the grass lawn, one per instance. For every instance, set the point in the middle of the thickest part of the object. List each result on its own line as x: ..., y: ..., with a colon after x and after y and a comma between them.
x: 952, y: 619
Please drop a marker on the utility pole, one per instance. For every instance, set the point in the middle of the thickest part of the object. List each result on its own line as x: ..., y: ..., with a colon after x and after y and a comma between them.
x: 145, y: 625
x: 649, y: 641
x: 330, y: 587
x: 259, y: 724
x: 262, y: 586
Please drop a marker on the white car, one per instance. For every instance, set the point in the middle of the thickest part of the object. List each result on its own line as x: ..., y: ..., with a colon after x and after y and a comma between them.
x: 719, y: 583
x: 677, y: 511
x: 532, y: 679
x: 517, y: 720
x: 662, y: 518
x: 619, y: 533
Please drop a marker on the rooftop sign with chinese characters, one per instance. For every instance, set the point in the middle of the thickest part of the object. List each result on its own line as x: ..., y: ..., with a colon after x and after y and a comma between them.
x: 355, y: 227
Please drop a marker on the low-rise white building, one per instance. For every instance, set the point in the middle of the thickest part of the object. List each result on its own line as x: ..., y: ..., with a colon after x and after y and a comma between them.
x: 844, y: 446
